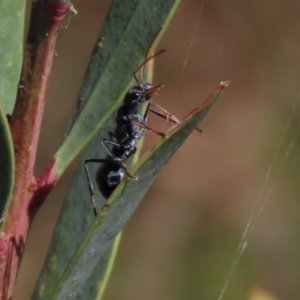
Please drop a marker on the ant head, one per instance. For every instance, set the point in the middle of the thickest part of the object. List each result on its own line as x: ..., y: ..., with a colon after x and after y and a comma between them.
x: 138, y: 94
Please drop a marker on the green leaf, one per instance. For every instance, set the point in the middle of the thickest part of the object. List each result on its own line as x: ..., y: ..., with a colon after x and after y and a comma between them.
x: 107, y: 79
x: 95, y: 285
x: 11, y: 51
x: 120, y: 47
x: 102, y: 230
x: 74, y: 220
x: 6, y: 163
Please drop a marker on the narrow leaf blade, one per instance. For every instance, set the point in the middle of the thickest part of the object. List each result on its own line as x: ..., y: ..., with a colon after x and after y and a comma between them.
x: 76, y: 215
x: 11, y: 50
x: 119, y: 49
x: 123, y: 203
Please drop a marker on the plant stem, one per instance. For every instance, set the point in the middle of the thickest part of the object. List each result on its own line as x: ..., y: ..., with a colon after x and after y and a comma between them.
x: 25, y: 124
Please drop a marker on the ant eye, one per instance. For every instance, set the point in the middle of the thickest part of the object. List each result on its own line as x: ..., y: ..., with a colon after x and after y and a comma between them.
x: 134, y: 96
x: 131, y: 97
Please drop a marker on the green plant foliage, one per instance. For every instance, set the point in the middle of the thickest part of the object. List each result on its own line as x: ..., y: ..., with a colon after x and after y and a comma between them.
x: 123, y: 46
x: 75, y: 218
x: 11, y: 50
x: 120, y: 47
x: 93, y: 287
x: 102, y: 230
x: 6, y: 163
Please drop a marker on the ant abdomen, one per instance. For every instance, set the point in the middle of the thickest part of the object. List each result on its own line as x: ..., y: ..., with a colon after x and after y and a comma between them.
x: 108, y: 177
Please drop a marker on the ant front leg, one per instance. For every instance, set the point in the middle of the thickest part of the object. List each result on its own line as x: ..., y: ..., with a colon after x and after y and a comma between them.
x: 161, y: 112
x: 146, y: 127
x: 145, y: 119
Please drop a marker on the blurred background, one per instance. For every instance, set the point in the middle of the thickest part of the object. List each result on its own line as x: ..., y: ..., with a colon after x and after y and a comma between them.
x: 183, y: 239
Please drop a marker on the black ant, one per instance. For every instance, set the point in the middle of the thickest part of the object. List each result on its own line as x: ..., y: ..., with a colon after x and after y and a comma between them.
x: 131, y: 127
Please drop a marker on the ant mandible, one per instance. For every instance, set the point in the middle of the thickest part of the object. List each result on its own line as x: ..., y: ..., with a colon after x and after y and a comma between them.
x: 131, y: 127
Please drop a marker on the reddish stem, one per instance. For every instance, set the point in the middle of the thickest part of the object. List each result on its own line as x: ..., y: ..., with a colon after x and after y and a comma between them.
x: 25, y: 124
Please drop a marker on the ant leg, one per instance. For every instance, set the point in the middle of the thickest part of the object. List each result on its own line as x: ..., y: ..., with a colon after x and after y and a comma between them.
x: 161, y: 112
x: 110, y: 142
x: 89, y: 180
x: 112, y: 135
x: 146, y: 127
x: 115, y: 144
x: 146, y: 114
x: 188, y: 115
x: 145, y: 119
x: 116, y: 159
x: 121, y: 164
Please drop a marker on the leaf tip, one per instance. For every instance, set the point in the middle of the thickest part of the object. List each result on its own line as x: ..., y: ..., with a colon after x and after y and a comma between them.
x: 224, y: 84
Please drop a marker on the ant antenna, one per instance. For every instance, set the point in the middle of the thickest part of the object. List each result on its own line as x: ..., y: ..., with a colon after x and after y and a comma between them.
x: 151, y: 90
x: 152, y: 41
x: 144, y: 63
x: 141, y: 67
x: 148, y: 50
